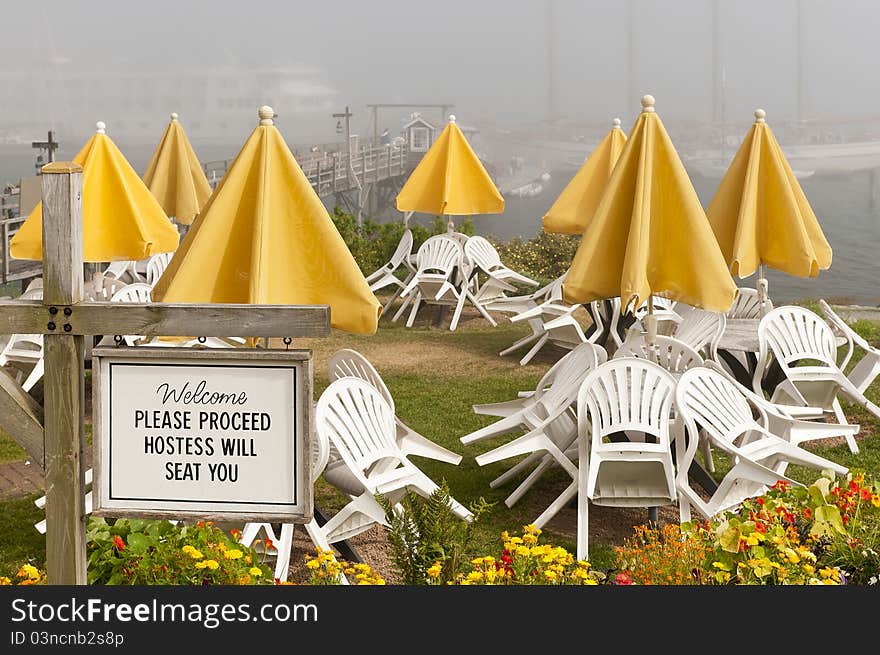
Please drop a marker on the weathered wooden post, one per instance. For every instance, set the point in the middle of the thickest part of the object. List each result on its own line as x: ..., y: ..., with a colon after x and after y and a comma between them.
x: 64, y: 378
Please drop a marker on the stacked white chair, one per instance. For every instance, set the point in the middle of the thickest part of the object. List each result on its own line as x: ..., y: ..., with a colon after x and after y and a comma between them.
x: 673, y: 355
x: 483, y: 257
x: 747, y: 304
x: 701, y: 330
x: 550, y: 428
x: 385, y: 274
x: 441, y: 277
x: 23, y: 353
x: 156, y: 266
x: 708, y: 401
x: 350, y: 363
x: 633, y: 397
x: 792, y: 334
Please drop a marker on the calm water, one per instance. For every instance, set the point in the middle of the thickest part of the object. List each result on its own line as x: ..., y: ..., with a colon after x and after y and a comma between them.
x: 842, y: 202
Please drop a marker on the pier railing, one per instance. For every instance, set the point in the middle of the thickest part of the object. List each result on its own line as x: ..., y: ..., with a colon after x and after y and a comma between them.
x: 15, y: 269
x: 332, y: 172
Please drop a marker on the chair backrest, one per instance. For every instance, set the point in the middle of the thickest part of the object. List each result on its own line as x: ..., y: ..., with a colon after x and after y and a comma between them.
x: 673, y: 355
x: 700, y: 328
x: 843, y: 326
x: 347, y: 363
x: 482, y: 253
x: 794, y: 333
x: 359, y: 422
x: 403, y: 250
x: 706, y: 398
x: 156, y: 265
x: 664, y: 310
x: 566, y: 375
x: 747, y: 304
x: 35, y: 293
x: 625, y: 394
x: 439, y: 253
x: 137, y: 292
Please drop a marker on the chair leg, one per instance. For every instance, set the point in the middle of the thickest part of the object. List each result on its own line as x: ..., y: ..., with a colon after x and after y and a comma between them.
x: 553, y: 509
x: 519, y: 344
x: 841, y: 418
x: 706, y: 449
x: 283, y: 551
x: 34, y: 376
x: 403, y: 305
x: 530, y: 480
x: 480, y: 308
x: 457, y: 314
x: 515, y: 470
x: 534, y: 351
x: 415, y: 309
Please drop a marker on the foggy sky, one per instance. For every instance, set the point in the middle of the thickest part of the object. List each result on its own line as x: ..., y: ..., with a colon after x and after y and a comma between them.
x: 487, y: 57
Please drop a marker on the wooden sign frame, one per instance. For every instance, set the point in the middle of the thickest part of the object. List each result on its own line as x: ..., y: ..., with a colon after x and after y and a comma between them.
x: 300, y: 511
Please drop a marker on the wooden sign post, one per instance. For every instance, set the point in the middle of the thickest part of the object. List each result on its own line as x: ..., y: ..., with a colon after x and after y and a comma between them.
x: 64, y: 319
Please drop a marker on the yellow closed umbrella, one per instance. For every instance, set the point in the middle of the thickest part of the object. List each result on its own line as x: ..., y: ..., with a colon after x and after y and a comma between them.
x: 450, y: 180
x: 572, y: 211
x: 175, y: 176
x: 760, y: 214
x: 265, y: 237
x: 121, y: 218
x: 649, y: 234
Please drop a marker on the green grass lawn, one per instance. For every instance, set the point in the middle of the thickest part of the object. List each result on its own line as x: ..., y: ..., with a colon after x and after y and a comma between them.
x: 435, y: 376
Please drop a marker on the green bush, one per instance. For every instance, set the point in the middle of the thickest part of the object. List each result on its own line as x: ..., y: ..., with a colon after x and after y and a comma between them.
x: 544, y: 257
x: 139, y: 552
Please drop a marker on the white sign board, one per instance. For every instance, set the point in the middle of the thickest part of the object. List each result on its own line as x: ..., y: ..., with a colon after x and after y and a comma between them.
x: 202, y: 433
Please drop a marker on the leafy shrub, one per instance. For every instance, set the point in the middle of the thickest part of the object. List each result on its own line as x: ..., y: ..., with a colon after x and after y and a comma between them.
x: 139, y: 552
x: 826, y: 533
x: 425, y: 533
x: 526, y: 562
x: 543, y: 258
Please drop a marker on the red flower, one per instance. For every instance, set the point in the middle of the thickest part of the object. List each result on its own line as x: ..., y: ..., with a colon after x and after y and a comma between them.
x: 781, y: 485
x: 269, y: 545
x: 760, y: 501
x: 200, y: 524
x: 118, y: 542
x: 866, y: 494
x: 622, y: 579
x: 853, y: 486
x: 808, y: 513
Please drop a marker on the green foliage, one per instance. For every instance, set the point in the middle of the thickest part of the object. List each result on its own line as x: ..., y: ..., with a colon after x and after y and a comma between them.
x: 139, y: 552
x: 20, y: 543
x: 424, y: 531
x: 544, y: 257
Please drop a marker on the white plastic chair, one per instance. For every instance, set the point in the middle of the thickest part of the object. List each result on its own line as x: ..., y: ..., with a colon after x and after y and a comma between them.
x: 25, y: 349
x: 485, y: 258
x: 552, y: 321
x: 156, y: 266
x: 358, y: 421
x: 793, y: 334
x: 139, y: 292
x: 701, y: 330
x: 625, y: 395
x: 124, y: 271
x: 350, y: 363
x: 440, y: 278
x: 673, y: 355
x: 384, y: 275
x: 550, y: 430
x: 789, y: 422
x: 747, y: 304
x: 707, y: 399
x: 867, y: 368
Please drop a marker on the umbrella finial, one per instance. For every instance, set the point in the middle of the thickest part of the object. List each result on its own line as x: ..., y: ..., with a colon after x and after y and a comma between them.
x: 451, y: 118
x: 615, y: 123
x: 100, y: 127
x: 174, y: 116
x: 759, y: 116
x: 266, y: 114
x: 648, y: 103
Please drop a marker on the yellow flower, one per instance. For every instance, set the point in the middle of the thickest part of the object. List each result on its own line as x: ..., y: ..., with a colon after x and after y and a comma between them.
x: 244, y: 579
x: 792, y: 556
x: 550, y: 575
x: 28, y: 571
x: 207, y: 564
x: 530, y: 539
x: 233, y: 554
x: 254, y: 571
x: 475, y: 576
x: 192, y: 552
x: 434, y: 571
x: 312, y: 564
x: 875, y: 500
x: 523, y: 551
x: 531, y: 528
x: 4, y: 581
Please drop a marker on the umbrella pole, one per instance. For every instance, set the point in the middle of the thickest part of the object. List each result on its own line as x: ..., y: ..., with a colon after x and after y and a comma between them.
x: 651, y: 323
x: 450, y: 226
x: 762, y: 288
